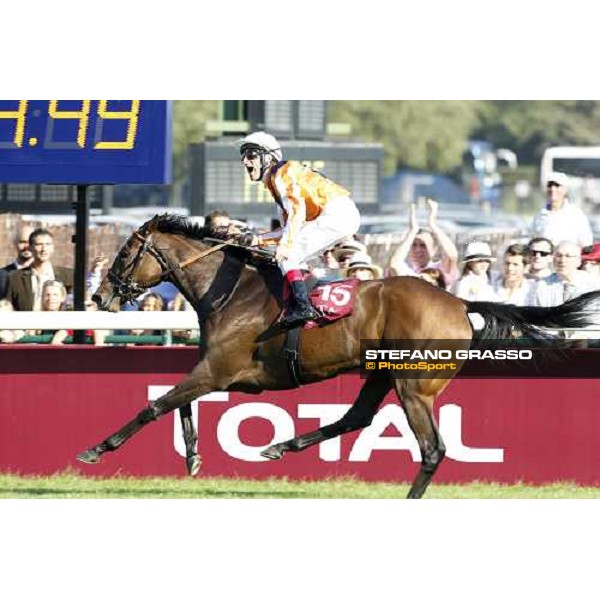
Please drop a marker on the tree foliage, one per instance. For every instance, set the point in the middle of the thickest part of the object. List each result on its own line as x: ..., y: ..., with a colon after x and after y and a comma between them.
x: 433, y: 134
x: 189, y: 126
x: 529, y: 127
x: 417, y: 134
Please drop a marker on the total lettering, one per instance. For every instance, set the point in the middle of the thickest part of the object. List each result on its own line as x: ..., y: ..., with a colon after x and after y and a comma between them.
x: 367, y: 441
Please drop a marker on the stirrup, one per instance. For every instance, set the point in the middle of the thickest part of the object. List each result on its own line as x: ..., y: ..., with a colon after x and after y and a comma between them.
x: 296, y: 318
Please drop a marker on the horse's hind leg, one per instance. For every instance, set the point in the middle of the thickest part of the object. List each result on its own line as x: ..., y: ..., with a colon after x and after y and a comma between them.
x: 417, y: 397
x: 359, y: 415
x: 193, y: 386
x: 190, y: 437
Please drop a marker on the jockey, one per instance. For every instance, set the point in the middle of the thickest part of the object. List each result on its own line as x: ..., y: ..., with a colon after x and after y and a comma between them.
x: 315, y: 212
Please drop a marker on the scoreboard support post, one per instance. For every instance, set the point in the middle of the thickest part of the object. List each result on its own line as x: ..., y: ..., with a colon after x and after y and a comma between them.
x: 82, y: 212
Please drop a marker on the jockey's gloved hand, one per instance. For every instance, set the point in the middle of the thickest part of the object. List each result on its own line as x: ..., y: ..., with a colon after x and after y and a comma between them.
x: 246, y: 239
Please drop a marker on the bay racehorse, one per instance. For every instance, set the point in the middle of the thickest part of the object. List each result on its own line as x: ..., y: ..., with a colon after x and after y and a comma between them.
x: 239, y: 300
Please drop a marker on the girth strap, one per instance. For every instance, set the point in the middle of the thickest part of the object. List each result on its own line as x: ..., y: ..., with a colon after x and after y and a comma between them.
x: 291, y: 352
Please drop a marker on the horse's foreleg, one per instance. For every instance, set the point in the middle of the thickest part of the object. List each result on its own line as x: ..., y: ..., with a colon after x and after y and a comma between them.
x: 359, y: 415
x: 418, y: 406
x: 190, y: 437
x: 193, y: 386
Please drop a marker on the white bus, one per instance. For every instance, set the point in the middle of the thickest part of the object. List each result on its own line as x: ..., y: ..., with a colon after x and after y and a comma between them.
x: 582, y: 164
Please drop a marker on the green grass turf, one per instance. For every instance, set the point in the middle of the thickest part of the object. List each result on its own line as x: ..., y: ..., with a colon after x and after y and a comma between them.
x: 72, y: 485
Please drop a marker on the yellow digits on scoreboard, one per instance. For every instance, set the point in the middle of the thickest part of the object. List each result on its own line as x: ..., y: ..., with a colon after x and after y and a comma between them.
x: 82, y: 115
x: 19, y: 116
x: 131, y: 116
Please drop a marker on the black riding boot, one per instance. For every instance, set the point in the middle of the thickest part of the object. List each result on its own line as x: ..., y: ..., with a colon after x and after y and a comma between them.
x: 300, y: 310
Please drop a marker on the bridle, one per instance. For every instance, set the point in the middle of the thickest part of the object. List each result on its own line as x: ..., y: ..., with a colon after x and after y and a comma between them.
x: 128, y: 289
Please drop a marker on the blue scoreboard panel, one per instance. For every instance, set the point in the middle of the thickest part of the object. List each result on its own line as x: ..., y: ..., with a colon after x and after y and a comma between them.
x: 85, y: 141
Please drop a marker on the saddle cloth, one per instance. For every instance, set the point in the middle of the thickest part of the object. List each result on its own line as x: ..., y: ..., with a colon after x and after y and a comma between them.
x: 333, y: 300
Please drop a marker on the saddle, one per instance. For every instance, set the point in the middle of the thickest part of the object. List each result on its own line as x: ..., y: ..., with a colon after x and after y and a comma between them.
x: 333, y: 300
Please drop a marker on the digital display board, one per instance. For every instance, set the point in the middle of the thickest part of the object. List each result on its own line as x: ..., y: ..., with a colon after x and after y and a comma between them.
x: 85, y: 141
x: 218, y: 179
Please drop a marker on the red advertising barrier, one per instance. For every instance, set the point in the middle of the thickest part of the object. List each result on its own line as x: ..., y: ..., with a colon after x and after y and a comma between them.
x: 55, y: 402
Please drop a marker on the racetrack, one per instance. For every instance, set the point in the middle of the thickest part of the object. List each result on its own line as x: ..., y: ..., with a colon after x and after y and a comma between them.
x: 73, y: 485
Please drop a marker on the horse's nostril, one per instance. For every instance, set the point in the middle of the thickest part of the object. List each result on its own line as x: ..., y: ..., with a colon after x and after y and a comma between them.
x: 96, y: 298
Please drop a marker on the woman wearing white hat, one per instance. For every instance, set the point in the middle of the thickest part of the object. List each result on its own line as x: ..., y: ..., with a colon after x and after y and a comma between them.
x: 361, y: 267
x: 346, y: 249
x: 475, y: 283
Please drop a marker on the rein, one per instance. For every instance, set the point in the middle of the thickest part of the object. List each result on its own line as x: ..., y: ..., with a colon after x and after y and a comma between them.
x: 187, y: 262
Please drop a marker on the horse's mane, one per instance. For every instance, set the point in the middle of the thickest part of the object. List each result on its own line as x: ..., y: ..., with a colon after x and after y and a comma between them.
x: 181, y: 225
x: 177, y: 224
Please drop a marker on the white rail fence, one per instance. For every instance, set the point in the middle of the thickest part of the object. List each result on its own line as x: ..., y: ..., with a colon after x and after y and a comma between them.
x: 98, y: 320
x: 165, y: 320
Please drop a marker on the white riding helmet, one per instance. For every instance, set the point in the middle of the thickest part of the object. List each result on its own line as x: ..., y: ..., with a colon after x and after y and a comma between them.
x: 262, y: 141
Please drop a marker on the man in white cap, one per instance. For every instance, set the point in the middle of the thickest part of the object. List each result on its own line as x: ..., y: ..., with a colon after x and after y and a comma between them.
x: 560, y: 220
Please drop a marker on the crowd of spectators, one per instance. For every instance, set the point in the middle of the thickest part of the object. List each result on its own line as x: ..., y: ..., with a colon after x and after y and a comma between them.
x: 31, y: 282
x: 533, y: 274
x: 559, y: 261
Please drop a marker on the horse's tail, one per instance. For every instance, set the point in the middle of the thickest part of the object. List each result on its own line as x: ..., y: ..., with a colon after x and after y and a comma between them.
x: 506, y: 321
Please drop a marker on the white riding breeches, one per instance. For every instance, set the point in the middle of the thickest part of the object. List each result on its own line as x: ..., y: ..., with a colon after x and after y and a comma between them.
x: 339, y: 219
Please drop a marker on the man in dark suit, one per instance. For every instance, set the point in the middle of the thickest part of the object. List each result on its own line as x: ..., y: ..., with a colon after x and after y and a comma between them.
x: 25, y: 285
x: 24, y: 257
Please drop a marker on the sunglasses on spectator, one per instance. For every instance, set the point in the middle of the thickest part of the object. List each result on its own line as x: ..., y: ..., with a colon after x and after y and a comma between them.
x: 553, y: 184
x: 539, y: 253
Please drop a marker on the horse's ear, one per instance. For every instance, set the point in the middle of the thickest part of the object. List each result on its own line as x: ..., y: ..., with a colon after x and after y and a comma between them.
x: 150, y: 225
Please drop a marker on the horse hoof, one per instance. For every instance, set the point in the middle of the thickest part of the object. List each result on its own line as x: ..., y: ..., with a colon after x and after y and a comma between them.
x: 193, y: 465
x: 272, y: 453
x: 90, y: 457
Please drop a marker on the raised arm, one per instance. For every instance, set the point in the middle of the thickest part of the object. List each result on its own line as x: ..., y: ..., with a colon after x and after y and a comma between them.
x: 94, y: 277
x: 398, y: 260
x: 448, y: 251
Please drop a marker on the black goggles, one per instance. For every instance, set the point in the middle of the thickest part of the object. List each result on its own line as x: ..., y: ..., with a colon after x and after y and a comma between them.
x: 251, y: 152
